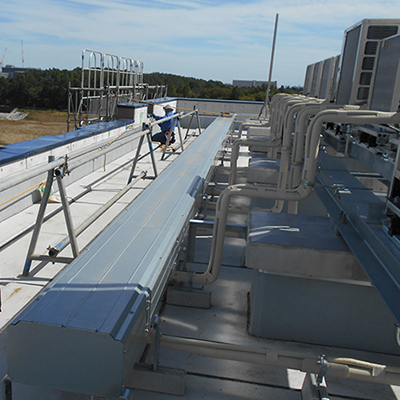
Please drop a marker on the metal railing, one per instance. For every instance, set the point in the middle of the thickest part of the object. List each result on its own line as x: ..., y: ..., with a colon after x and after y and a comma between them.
x: 106, y: 81
x: 57, y: 169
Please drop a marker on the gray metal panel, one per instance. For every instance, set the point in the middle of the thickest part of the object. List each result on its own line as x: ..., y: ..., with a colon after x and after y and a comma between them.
x: 386, y: 91
x: 335, y: 78
x: 30, y: 347
x: 320, y: 312
x: 376, y: 162
x: 359, y: 59
x: 329, y: 70
x: 103, y: 292
x: 299, y: 245
x: 349, y: 57
x: 326, y: 78
x: 308, y: 79
x: 376, y: 252
x: 316, y: 79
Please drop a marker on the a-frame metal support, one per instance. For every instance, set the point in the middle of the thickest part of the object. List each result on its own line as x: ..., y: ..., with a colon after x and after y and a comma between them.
x: 39, y: 219
x: 151, y: 149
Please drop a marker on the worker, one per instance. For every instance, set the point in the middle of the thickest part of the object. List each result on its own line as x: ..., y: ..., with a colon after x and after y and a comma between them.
x: 166, y: 126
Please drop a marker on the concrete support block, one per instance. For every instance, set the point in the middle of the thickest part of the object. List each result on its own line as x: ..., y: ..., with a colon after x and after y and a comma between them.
x: 186, y: 297
x: 163, y: 380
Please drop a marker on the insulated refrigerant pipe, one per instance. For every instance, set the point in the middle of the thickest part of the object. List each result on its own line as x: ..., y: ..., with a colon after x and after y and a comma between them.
x: 277, y: 129
x: 291, y: 108
x: 303, y: 111
x: 250, y: 124
x: 263, y: 142
x: 285, y: 142
x: 300, y: 135
x: 276, y: 110
x: 343, y: 368
x: 298, y: 193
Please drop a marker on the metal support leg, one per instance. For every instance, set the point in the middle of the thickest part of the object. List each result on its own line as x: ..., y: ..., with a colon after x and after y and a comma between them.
x: 156, y: 324
x: 68, y: 217
x: 152, y: 153
x: 192, y: 242
x: 39, y: 220
x: 198, y: 122
x: 135, y: 161
x: 312, y: 390
x: 6, y: 389
x: 190, y: 124
x: 180, y: 134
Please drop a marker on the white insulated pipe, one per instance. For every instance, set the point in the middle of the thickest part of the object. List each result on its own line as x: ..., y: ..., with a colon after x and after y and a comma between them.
x: 285, y: 141
x: 250, y: 124
x: 264, y: 192
x: 303, y: 111
x: 344, y: 368
x: 300, y: 135
x: 263, y: 142
x: 298, y: 193
x: 291, y: 109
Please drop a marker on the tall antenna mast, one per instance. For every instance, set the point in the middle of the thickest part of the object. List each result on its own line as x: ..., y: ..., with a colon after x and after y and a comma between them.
x: 22, y: 53
x: 266, y: 104
x: 1, y: 62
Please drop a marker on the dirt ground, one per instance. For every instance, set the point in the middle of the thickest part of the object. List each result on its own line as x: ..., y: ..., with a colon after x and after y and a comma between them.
x: 37, y: 123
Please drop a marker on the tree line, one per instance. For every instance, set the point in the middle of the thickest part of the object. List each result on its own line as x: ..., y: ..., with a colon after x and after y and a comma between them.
x: 48, y: 89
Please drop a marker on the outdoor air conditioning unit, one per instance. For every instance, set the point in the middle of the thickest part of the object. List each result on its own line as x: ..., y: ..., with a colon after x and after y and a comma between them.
x: 385, y: 95
x: 328, y: 78
x: 358, y: 61
x: 308, y: 80
x: 320, y: 78
x: 316, y: 79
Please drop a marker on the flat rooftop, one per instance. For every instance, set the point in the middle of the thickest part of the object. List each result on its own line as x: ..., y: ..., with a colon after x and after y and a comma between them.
x: 226, y: 321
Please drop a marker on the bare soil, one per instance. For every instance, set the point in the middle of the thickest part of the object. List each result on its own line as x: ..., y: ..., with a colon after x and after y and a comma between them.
x: 38, y: 123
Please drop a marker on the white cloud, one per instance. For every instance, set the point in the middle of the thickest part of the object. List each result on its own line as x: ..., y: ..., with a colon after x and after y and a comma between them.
x: 212, y: 40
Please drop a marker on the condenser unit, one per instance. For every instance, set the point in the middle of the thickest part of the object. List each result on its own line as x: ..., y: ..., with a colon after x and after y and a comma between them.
x: 358, y: 61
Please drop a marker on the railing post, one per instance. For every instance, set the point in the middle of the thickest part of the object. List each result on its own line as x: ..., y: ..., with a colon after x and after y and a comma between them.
x: 148, y: 135
x: 198, y: 122
x: 39, y: 220
x: 135, y: 161
x: 67, y: 215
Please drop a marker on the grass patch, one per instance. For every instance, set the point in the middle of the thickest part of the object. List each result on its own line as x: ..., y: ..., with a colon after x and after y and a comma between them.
x: 38, y: 123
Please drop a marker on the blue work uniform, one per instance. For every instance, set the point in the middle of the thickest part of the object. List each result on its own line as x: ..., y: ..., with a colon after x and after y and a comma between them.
x: 166, y: 127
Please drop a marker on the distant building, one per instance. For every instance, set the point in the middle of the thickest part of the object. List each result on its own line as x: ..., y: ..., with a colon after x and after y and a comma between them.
x: 9, y: 71
x: 253, y: 83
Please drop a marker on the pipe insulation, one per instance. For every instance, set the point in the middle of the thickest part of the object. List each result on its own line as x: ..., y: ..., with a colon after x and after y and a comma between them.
x: 343, y: 368
x: 297, y: 193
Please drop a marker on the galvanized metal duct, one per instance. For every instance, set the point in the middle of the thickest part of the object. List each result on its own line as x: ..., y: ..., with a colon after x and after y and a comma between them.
x: 86, y: 331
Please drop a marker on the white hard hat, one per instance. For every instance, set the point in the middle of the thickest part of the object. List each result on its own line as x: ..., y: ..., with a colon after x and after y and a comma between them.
x: 168, y: 107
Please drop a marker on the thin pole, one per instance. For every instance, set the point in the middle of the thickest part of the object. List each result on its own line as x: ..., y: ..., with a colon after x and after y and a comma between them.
x: 266, y: 104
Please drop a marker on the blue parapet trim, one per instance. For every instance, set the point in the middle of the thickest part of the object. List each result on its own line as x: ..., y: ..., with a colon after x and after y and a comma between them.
x: 220, y: 100
x: 17, y: 151
x: 160, y: 100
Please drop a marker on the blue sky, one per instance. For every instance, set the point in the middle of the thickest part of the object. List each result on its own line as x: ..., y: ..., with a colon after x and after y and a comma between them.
x: 209, y: 39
